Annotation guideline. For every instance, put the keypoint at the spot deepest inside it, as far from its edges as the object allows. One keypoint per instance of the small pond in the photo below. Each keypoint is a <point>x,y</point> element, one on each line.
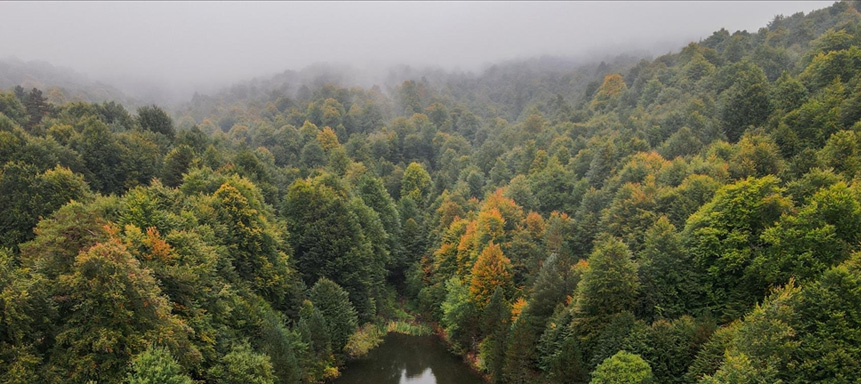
<point>402,359</point>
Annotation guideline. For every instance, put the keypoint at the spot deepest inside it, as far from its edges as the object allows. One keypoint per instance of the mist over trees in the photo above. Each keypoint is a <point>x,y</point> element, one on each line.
<point>692,218</point>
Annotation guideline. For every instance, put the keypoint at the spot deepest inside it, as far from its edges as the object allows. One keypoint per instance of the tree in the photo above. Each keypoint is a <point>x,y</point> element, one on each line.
<point>156,366</point>
<point>374,195</point>
<point>458,313</point>
<point>243,366</point>
<point>327,239</point>
<point>116,311</point>
<point>252,242</point>
<point>609,93</point>
<point>746,102</point>
<point>622,368</point>
<point>416,183</point>
<point>724,240</point>
<point>154,119</point>
<point>104,153</point>
<point>284,347</point>
<point>828,325</point>
<point>495,325</point>
<point>492,271</point>
<point>176,163</point>
<point>738,369</point>
<point>550,288</point>
<point>12,107</point>
<point>315,335</point>
<point>822,234</point>
<point>712,353</point>
<point>668,283</point>
<point>601,165</point>
<point>520,353</point>
<point>37,108</point>
<point>610,284</point>
<point>334,304</point>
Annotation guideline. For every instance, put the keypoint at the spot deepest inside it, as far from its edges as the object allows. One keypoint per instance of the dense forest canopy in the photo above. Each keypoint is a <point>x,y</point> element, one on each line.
<point>695,218</point>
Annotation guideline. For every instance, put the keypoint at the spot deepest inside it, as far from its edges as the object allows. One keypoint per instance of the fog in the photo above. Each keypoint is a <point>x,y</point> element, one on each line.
<point>178,48</point>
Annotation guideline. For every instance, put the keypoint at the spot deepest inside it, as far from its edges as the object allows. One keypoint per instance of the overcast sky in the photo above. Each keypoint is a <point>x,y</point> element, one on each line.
<point>193,43</point>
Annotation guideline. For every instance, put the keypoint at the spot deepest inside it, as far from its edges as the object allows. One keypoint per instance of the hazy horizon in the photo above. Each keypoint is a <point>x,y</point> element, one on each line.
<point>179,48</point>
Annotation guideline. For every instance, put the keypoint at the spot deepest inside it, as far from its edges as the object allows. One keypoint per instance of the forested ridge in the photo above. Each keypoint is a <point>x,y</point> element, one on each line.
<point>695,218</point>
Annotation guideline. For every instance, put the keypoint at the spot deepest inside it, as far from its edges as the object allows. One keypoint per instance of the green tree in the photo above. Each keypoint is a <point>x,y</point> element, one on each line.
<point>668,283</point>
<point>154,119</point>
<point>622,368</point>
<point>27,196</point>
<point>116,311</point>
<point>156,365</point>
<point>495,321</point>
<point>315,335</point>
<point>374,195</point>
<point>327,239</point>
<point>334,304</point>
<point>746,102</point>
<point>822,234</point>
<point>416,183</point>
<point>12,107</point>
<point>459,313</point>
<point>176,163</point>
<point>828,325</point>
<point>610,284</point>
<point>738,369</point>
<point>37,108</point>
<point>252,242</point>
<point>243,366</point>
<point>723,238</point>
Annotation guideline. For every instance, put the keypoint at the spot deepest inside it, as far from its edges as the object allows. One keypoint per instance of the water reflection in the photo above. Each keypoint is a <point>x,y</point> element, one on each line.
<point>405,359</point>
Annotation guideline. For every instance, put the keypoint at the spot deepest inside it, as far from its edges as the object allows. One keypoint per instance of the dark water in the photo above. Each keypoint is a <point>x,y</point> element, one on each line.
<point>409,359</point>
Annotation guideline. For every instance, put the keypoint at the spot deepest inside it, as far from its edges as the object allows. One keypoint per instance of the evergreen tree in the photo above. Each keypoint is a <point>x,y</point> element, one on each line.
<point>495,325</point>
<point>154,119</point>
<point>176,163</point>
<point>37,108</point>
<point>666,274</point>
<point>327,239</point>
<point>334,304</point>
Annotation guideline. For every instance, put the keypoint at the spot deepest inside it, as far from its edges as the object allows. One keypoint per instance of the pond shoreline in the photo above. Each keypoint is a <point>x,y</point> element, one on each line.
<point>374,337</point>
<point>468,358</point>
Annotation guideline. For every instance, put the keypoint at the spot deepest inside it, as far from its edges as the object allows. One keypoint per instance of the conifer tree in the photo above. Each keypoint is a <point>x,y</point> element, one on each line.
<point>334,303</point>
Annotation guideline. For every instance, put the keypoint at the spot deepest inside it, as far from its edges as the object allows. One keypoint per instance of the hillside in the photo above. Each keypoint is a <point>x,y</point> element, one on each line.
<point>59,84</point>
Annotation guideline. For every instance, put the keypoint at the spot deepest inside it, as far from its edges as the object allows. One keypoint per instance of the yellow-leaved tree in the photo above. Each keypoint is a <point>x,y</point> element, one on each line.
<point>491,271</point>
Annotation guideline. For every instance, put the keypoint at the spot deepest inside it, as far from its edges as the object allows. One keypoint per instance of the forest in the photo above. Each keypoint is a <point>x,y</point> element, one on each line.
<point>692,218</point>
